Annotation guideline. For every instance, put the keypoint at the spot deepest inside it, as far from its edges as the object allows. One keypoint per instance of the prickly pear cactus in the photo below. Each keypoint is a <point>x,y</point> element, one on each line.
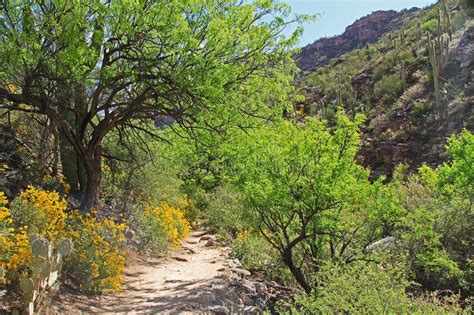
<point>45,269</point>
<point>64,247</point>
<point>27,285</point>
<point>40,246</point>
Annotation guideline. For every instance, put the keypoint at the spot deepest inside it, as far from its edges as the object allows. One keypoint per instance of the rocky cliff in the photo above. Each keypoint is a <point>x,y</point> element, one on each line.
<point>365,30</point>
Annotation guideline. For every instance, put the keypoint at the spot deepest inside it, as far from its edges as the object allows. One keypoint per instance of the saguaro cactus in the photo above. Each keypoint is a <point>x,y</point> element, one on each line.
<point>403,75</point>
<point>438,49</point>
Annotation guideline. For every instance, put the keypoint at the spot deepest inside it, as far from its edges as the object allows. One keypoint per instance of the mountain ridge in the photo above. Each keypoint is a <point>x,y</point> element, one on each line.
<point>365,30</point>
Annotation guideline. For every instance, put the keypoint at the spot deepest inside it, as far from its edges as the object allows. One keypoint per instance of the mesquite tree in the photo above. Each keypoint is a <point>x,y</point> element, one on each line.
<point>92,66</point>
<point>310,198</point>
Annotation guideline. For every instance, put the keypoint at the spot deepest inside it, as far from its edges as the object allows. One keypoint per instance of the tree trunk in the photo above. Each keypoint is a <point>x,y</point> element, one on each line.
<point>297,273</point>
<point>69,163</point>
<point>72,108</point>
<point>69,156</point>
<point>89,192</point>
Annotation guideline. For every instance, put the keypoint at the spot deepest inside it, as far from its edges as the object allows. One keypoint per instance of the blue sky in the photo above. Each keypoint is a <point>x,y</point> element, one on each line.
<point>337,14</point>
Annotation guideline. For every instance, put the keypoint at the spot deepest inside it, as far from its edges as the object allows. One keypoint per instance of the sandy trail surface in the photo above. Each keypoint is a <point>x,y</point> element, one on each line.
<point>176,284</point>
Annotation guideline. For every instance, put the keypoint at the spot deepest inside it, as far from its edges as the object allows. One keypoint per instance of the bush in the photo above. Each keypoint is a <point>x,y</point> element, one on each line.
<point>34,211</point>
<point>429,26</point>
<point>419,111</point>
<point>255,253</point>
<point>97,263</point>
<point>367,289</point>
<point>437,228</point>
<point>40,212</point>
<point>389,88</point>
<point>14,247</point>
<point>162,227</point>
<point>225,210</point>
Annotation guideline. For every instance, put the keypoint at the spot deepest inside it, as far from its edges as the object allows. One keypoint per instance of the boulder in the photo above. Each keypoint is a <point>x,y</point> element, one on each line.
<point>385,243</point>
<point>241,271</point>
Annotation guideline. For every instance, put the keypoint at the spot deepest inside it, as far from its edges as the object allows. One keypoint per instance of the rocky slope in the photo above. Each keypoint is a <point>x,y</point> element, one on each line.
<point>365,30</point>
<point>391,82</point>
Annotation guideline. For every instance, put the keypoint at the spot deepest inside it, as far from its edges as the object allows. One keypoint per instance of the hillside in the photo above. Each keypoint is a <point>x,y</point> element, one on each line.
<point>365,30</point>
<point>391,81</point>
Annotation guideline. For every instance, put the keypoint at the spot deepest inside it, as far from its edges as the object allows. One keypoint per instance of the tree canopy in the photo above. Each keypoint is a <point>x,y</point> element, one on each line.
<point>92,66</point>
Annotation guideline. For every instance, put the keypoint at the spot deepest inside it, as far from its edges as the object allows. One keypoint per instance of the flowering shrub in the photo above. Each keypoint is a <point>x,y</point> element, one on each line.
<point>41,212</point>
<point>160,227</point>
<point>57,183</point>
<point>14,248</point>
<point>97,263</point>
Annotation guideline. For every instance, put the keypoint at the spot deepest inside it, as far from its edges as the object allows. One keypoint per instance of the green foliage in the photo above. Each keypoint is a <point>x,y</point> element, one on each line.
<point>456,177</point>
<point>143,172</point>
<point>362,288</point>
<point>257,254</point>
<point>429,26</point>
<point>309,195</point>
<point>435,224</point>
<point>115,64</point>
<point>389,88</point>
<point>225,210</point>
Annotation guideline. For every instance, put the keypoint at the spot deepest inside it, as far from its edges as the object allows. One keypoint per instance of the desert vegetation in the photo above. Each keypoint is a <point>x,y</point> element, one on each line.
<point>125,124</point>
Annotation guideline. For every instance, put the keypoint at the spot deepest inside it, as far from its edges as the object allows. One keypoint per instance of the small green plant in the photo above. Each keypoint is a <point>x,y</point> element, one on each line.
<point>367,288</point>
<point>389,88</point>
<point>429,26</point>
<point>420,110</point>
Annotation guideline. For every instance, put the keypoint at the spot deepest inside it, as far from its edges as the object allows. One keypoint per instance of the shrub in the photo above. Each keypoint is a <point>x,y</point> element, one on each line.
<point>419,111</point>
<point>429,26</point>
<point>97,263</point>
<point>437,227</point>
<point>389,88</point>
<point>367,289</point>
<point>14,247</point>
<point>255,253</point>
<point>225,210</point>
<point>162,227</point>
<point>41,212</point>
<point>34,211</point>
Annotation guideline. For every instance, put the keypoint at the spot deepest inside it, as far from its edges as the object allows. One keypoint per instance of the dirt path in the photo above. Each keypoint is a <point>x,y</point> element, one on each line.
<point>176,284</point>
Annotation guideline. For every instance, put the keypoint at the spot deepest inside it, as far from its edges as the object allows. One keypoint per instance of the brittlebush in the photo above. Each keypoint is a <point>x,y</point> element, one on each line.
<point>33,211</point>
<point>167,221</point>
<point>41,212</point>
<point>14,248</point>
<point>97,264</point>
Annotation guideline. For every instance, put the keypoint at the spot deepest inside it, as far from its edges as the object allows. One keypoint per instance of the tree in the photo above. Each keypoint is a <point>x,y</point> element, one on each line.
<point>310,197</point>
<point>92,66</point>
